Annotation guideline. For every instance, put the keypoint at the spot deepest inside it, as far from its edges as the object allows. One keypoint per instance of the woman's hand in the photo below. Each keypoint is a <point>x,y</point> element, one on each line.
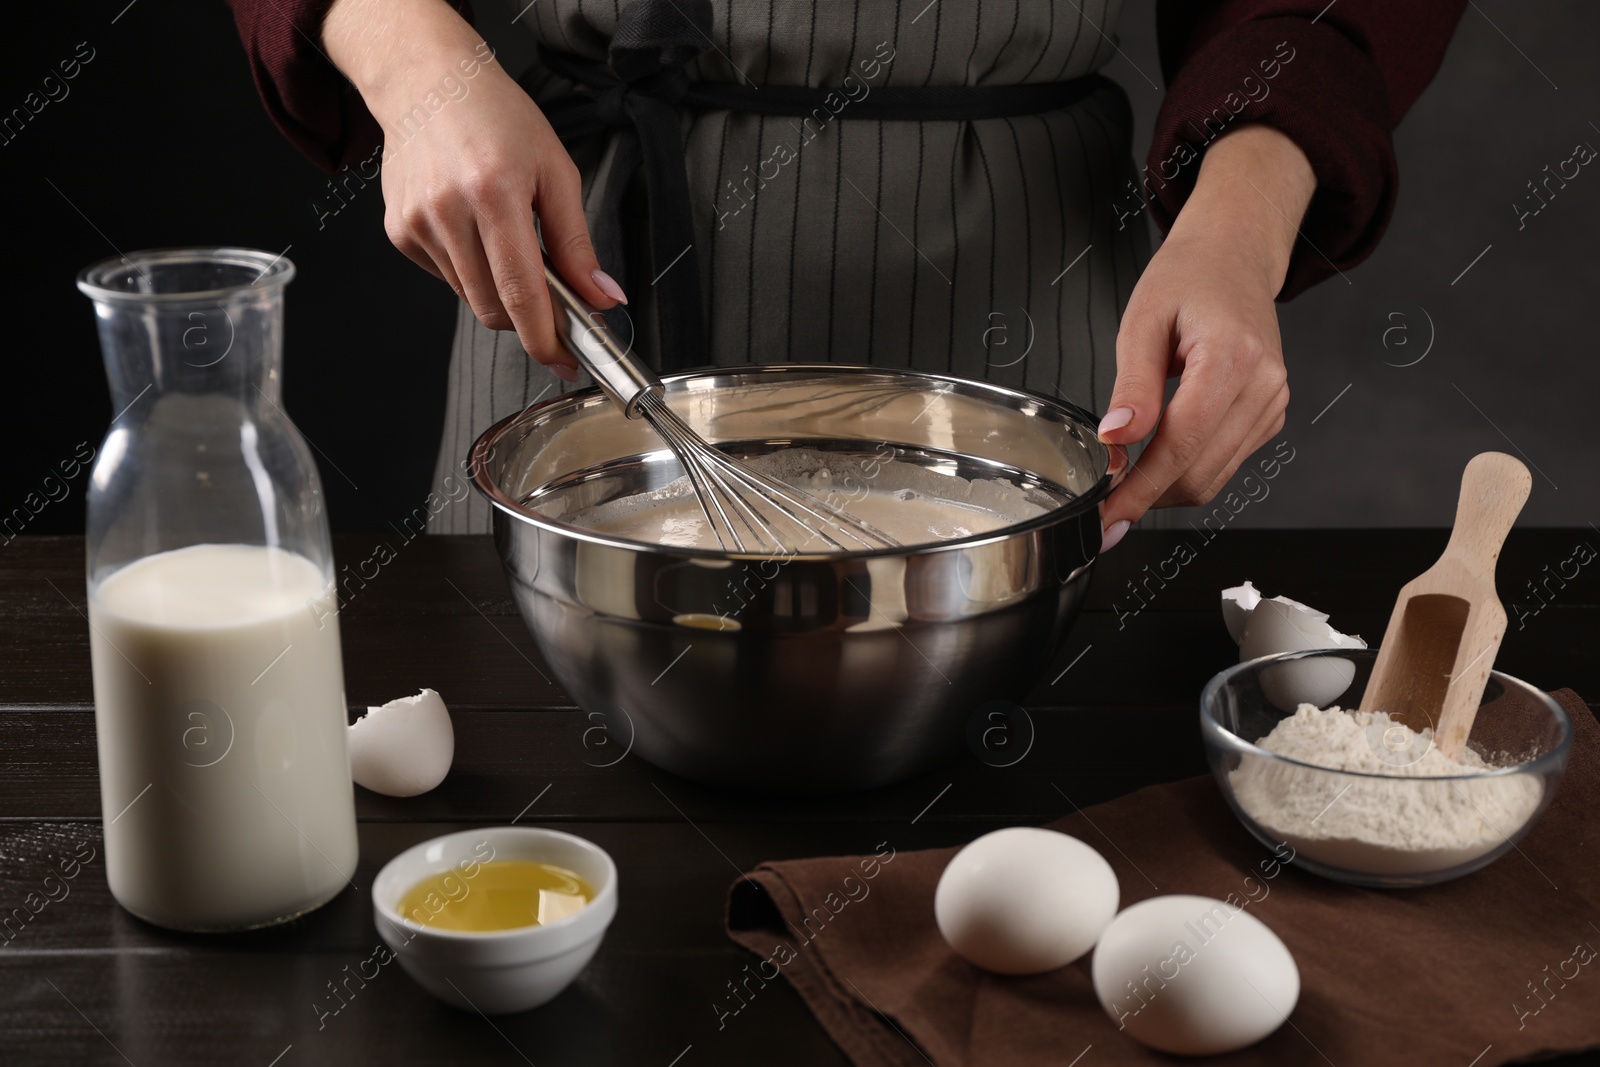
<point>1203,310</point>
<point>468,161</point>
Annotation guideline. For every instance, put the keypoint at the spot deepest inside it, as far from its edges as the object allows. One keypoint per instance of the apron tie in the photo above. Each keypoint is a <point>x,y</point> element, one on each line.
<point>639,90</point>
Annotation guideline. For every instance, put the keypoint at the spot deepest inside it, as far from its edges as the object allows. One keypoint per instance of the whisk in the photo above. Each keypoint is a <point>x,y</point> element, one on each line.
<point>747,510</point>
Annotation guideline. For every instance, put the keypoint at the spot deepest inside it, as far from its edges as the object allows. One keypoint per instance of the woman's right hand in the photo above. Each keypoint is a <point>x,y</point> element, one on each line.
<point>466,154</point>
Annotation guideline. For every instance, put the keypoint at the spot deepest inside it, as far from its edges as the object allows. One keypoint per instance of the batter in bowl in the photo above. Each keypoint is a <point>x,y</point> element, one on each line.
<point>911,504</point>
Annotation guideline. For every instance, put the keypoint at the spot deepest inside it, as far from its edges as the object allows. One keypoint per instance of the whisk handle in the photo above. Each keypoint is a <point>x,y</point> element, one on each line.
<point>609,362</point>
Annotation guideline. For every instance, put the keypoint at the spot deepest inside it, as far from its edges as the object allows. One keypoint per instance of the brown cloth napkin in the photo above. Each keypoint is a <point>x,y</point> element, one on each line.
<point>1468,972</point>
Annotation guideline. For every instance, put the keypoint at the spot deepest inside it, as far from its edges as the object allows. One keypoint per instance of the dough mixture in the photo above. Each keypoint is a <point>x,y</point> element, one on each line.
<point>912,504</point>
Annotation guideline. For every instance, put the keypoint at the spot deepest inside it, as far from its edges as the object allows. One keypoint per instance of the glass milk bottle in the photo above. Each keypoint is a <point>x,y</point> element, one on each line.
<point>214,634</point>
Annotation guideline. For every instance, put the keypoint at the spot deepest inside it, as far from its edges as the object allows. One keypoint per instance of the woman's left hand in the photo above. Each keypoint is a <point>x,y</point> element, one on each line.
<point>1203,311</point>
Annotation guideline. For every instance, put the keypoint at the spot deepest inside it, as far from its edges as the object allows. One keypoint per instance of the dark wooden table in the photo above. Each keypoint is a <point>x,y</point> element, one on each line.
<point>82,982</point>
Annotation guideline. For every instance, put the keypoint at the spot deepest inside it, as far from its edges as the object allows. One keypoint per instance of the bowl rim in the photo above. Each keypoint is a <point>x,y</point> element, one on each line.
<point>604,897</point>
<point>1087,501</point>
<point>1213,730</point>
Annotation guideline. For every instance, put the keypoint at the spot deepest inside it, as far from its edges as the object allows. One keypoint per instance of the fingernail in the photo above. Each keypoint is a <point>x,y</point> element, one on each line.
<point>564,372</point>
<point>608,285</point>
<point>1112,534</point>
<point>1115,419</point>
<point>1119,460</point>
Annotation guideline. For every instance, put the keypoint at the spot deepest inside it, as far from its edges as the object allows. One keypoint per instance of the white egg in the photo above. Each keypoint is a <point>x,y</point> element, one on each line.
<point>1194,976</point>
<point>1284,625</point>
<point>1024,900</point>
<point>404,747</point>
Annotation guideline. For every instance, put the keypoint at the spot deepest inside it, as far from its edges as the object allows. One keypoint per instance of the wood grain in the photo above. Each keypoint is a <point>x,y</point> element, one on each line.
<point>1448,622</point>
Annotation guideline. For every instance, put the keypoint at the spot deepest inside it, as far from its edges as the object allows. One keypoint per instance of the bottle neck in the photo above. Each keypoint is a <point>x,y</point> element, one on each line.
<point>231,347</point>
<point>201,322</point>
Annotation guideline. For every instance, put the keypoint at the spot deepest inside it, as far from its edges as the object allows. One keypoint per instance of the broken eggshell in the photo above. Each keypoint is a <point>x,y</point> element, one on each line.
<point>1267,627</point>
<point>404,747</point>
<point>1237,604</point>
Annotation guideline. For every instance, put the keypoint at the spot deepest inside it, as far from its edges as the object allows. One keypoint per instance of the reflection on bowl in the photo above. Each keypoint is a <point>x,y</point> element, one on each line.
<point>498,971</point>
<point>802,673</point>
<point>1394,828</point>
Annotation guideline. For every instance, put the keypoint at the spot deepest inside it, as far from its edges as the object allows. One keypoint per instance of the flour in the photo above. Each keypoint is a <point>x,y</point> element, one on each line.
<point>1396,824</point>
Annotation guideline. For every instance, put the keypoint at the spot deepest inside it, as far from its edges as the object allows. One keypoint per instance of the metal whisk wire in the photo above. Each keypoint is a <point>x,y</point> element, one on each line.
<point>731,494</point>
<point>729,489</point>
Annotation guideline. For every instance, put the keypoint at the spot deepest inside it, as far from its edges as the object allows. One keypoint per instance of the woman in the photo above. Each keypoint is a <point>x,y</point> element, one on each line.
<point>944,185</point>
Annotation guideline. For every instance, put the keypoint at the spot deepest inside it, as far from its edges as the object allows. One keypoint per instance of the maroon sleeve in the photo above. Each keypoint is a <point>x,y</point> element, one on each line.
<point>1335,77</point>
<point>310,101</point>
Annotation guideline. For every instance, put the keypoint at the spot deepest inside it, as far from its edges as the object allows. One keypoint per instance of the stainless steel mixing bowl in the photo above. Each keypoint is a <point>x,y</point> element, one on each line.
<point>803,673</point>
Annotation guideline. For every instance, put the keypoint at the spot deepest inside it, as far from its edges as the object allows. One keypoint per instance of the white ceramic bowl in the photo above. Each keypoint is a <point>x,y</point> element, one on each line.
<point>499,971</point>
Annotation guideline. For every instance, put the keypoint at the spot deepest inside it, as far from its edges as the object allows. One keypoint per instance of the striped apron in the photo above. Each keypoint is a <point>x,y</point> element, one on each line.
<point>987,248</point>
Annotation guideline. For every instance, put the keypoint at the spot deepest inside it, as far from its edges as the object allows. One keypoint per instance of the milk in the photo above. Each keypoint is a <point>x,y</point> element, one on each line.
<point>220,715</point>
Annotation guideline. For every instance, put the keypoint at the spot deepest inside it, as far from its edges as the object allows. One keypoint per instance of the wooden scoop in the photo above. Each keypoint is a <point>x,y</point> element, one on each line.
<point>1447,623</point>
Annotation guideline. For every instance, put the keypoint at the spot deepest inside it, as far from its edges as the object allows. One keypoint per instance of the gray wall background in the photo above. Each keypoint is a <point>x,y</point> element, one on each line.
<point>1513,362</point>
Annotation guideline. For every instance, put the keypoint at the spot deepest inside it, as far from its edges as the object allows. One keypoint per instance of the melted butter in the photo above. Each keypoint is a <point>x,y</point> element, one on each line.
<point>501,895</point>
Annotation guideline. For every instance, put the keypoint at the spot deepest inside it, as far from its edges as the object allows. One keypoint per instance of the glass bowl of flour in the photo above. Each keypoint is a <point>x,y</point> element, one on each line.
<point>1367,799</point>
